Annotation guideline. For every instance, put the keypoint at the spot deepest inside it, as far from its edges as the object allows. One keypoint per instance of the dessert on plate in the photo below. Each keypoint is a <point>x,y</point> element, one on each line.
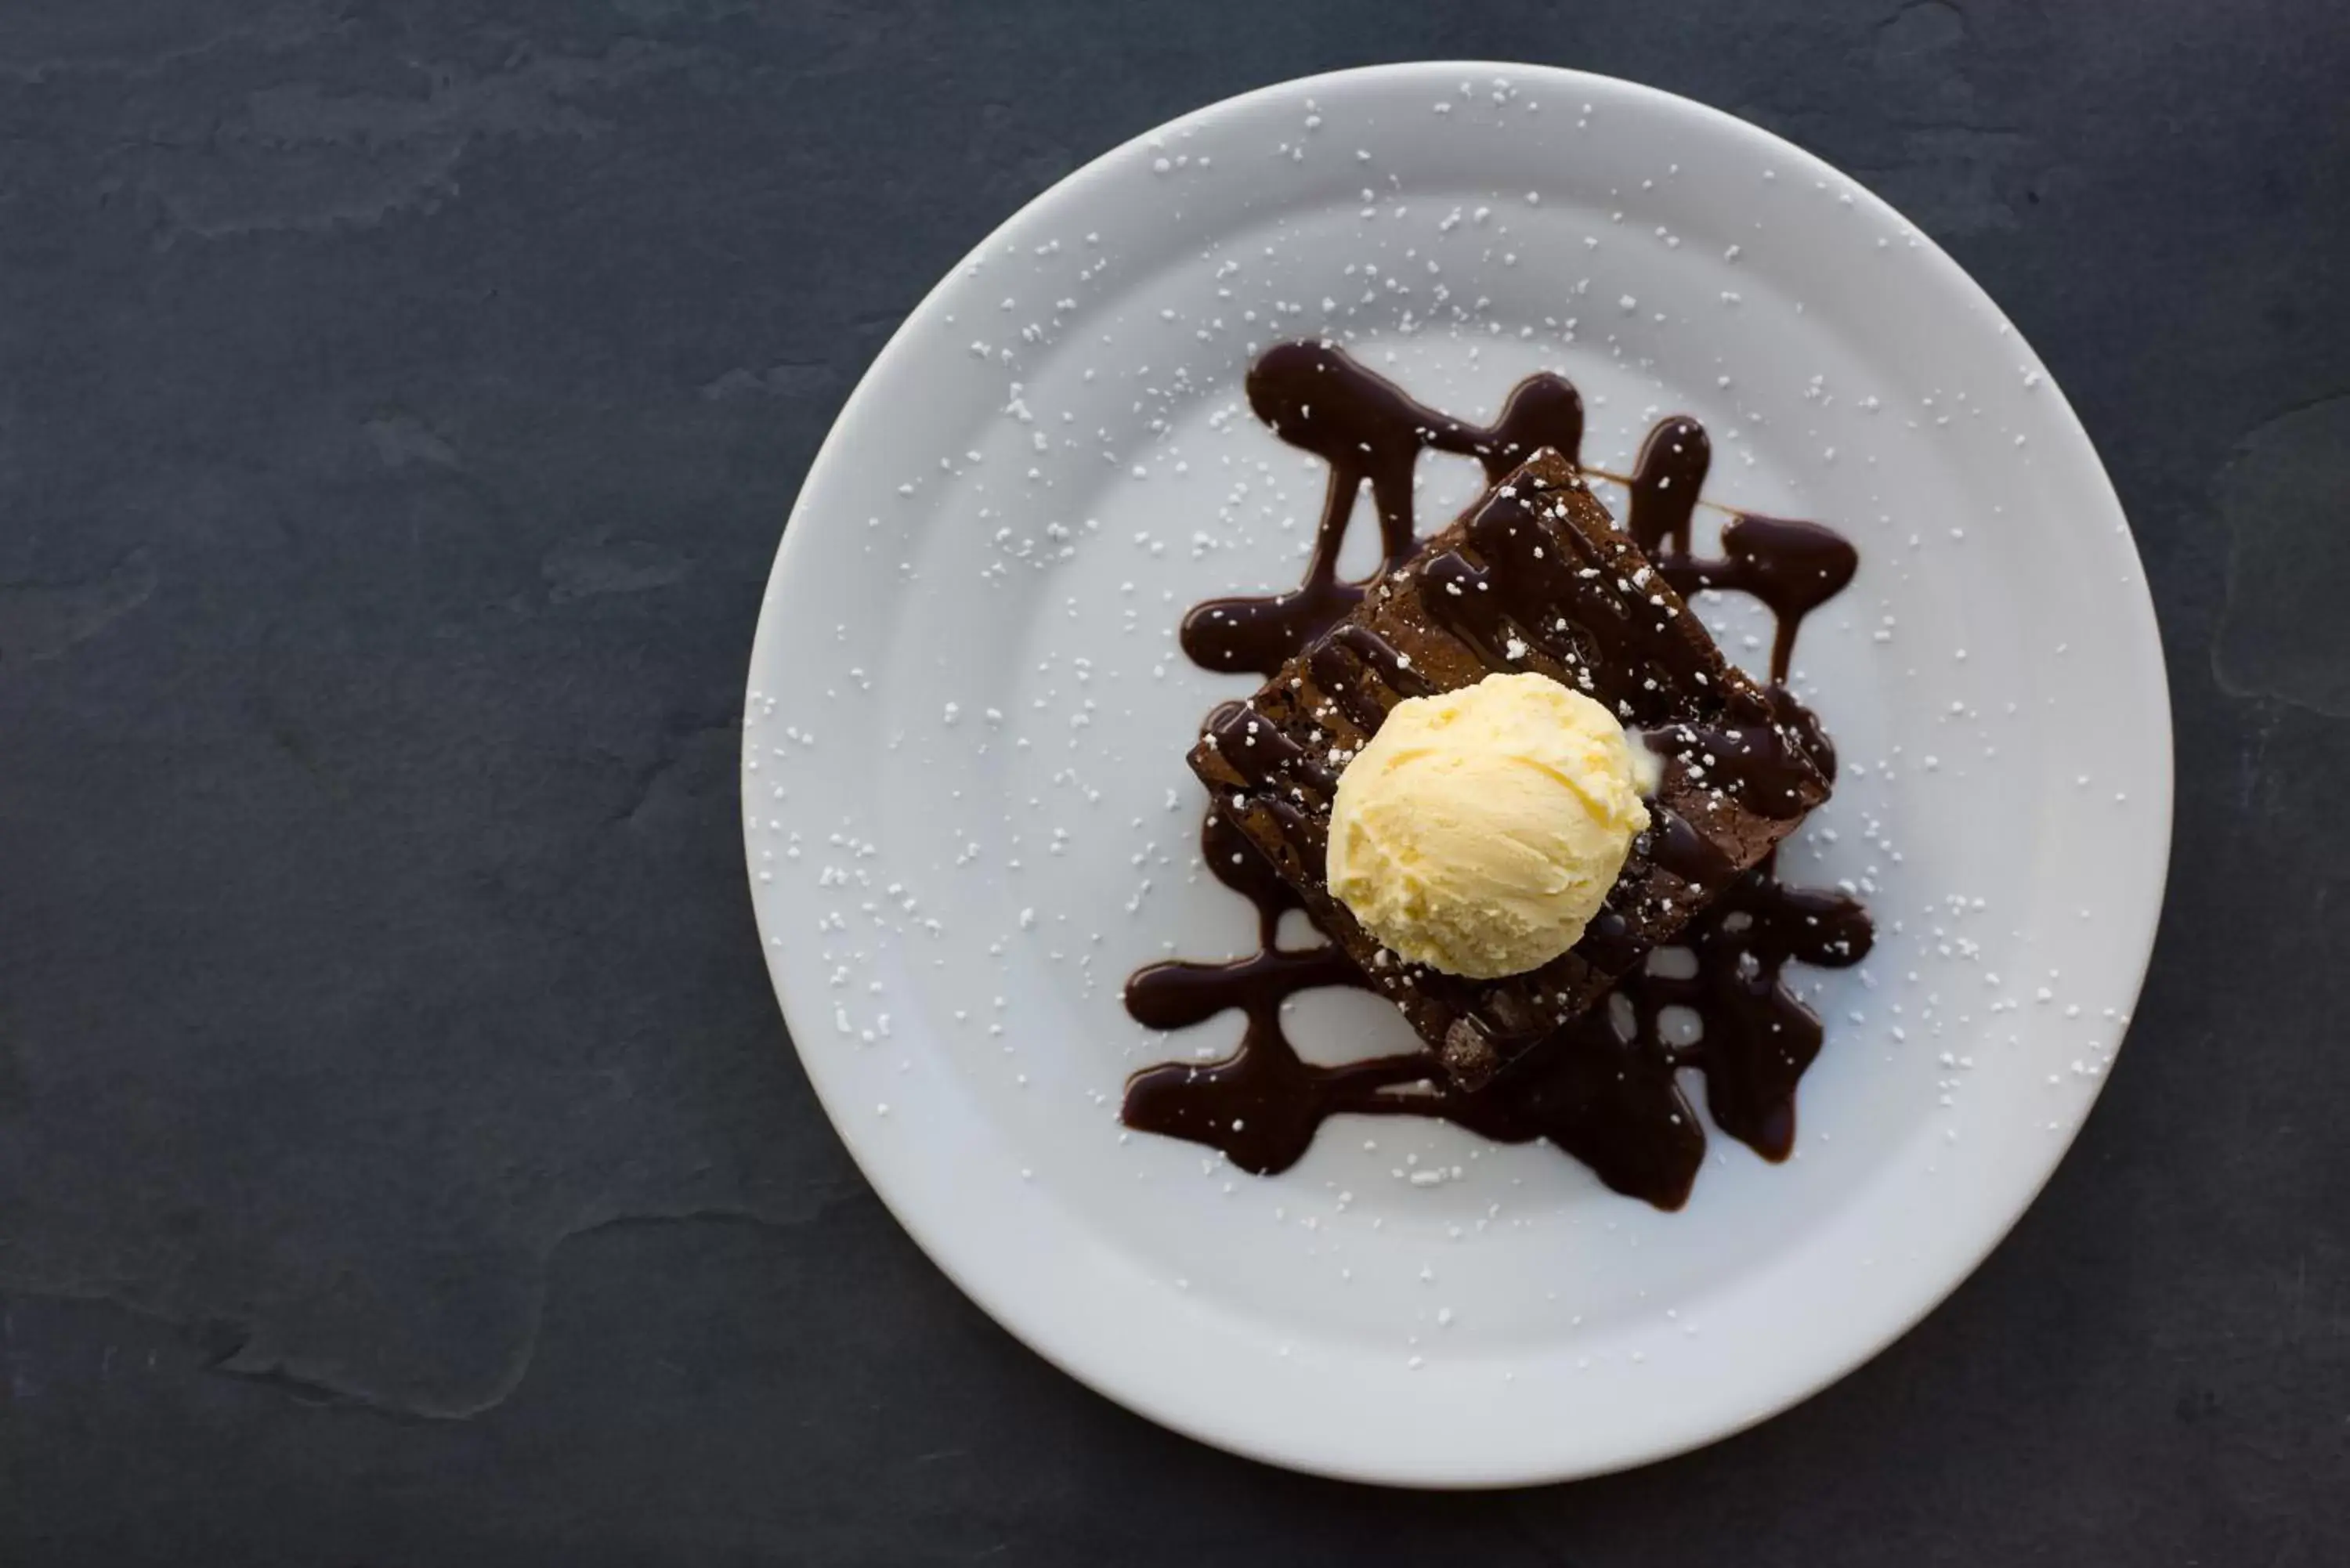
<point>1557,660</point>
<point>1516,785</point>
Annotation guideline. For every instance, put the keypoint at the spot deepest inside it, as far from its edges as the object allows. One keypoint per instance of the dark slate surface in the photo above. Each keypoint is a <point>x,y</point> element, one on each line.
<point>401,1161</point>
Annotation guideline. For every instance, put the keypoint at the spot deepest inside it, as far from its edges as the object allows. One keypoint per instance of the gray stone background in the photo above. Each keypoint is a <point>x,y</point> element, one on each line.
<point>401,1157</point>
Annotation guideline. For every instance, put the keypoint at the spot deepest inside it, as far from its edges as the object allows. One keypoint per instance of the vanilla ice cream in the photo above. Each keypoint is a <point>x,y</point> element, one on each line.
<point>1479,830</point>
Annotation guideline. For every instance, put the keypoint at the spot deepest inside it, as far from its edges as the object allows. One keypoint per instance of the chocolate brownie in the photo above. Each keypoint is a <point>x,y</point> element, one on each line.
<point>1533,577</point>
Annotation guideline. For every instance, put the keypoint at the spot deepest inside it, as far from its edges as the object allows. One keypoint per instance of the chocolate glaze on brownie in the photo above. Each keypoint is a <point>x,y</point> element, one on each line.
<point>1603,1086</point>
<point>1534,577</point>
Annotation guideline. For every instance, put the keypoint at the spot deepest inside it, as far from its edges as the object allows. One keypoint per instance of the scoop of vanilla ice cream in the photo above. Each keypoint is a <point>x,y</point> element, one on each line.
<point>1479,830</point>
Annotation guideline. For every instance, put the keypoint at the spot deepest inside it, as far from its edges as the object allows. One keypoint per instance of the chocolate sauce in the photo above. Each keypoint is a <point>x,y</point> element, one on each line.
<point>1261,1105</point>
<point>1529,572</point>
<point>1606,1095</point>
<point>1793,567</point>
<point>1605,1087</point>
<point>1369,430</point>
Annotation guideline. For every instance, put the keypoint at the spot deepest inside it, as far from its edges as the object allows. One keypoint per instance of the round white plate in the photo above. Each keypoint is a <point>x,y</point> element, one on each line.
<point>968,816</point>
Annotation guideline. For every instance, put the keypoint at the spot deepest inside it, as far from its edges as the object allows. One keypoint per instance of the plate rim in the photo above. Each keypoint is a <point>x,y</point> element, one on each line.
<point>1259,1443</point>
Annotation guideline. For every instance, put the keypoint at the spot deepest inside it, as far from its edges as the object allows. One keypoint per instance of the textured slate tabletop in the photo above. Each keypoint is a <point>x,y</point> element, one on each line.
<point>400,1157</point>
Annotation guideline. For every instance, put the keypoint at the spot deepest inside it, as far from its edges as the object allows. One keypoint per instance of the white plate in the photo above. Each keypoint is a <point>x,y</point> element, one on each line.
<point>968,816</point>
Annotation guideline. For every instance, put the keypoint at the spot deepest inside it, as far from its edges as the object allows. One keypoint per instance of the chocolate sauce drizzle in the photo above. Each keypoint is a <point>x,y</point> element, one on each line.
<point>1793,567</point>
<point>1606,1088</point>
<point>1369,430</point>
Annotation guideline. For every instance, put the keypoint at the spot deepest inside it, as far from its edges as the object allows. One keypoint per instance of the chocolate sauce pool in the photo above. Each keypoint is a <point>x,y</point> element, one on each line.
<point>1605,1089</point>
